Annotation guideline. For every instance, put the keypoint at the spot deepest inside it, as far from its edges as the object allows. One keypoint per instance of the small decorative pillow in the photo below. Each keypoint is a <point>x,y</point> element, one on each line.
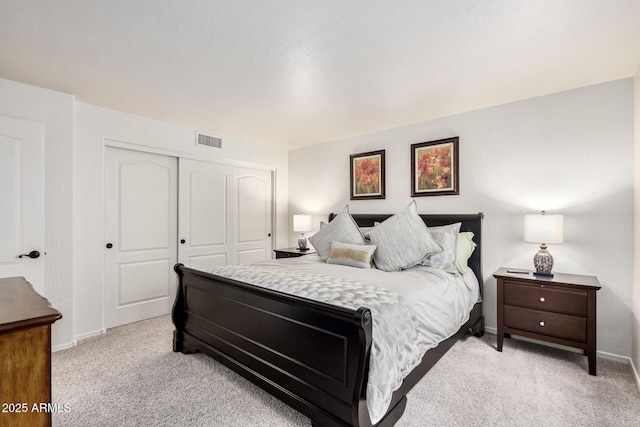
<point>402,240</point>
<point>466,246</point>
<point>352,255</point>
<point>447,237</point>
<point>343,229</point>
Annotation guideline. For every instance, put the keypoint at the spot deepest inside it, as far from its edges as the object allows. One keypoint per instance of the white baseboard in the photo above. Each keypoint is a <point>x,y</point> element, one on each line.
<point>603,354</point>
<point>616,357</point>
<point>635,374</point>
<point>74,343</point>
<point>63,346</point>
<point>90,334</point>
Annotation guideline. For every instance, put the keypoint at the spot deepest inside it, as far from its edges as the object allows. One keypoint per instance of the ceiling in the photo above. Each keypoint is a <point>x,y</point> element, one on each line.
<point>297,72</point>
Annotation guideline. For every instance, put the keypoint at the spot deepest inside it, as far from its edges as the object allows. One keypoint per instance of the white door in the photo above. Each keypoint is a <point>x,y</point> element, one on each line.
<point>253,209</point>
<point>140,235</point>
<point>205,228</point>
<point>22,200</point>
<point>225,214</point>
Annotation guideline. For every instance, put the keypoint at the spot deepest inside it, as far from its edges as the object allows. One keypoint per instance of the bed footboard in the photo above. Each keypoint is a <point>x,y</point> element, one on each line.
<point>312,356</point>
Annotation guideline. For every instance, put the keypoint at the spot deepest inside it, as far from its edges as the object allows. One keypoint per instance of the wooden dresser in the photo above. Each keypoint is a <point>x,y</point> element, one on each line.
<point>559,309</point>
<point>25,354</point>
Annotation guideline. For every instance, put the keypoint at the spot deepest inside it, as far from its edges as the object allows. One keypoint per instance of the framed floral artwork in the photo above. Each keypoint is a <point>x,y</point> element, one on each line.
<point>434,168</point>
<point>367,175</point>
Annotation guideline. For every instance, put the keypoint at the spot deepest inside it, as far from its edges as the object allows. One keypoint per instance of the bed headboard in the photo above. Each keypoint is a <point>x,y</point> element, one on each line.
<point>470,222</point>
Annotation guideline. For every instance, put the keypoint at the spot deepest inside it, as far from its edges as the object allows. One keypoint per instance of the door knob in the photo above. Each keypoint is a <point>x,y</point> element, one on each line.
<point>183,241</point>
<point>109,245</point>
<point>32,255</point>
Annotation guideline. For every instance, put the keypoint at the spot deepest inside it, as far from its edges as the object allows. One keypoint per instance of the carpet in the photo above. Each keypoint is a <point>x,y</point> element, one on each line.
<point>131,377</point>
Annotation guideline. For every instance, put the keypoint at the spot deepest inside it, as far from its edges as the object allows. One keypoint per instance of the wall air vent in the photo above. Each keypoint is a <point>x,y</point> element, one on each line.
<point>208,140</point>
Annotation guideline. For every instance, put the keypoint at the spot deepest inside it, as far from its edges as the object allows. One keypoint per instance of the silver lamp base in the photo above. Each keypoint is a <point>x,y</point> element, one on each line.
<point>543,262</point>
<point>302,242</point>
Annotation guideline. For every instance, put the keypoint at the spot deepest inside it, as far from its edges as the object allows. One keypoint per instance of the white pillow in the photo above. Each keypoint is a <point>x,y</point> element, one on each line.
<point>352,255</point>
<point>365,230</point>
<point>402,240</point>
<point>343,229</point>
<point>465,248</point>
<point>447,237</point>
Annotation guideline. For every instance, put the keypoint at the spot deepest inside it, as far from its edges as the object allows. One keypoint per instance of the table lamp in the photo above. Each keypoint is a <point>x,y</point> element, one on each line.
<point>543,229</point>
<point>302,223</point>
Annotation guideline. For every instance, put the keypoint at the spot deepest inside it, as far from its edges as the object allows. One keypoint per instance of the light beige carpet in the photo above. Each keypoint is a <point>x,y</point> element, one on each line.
<point>131,377</point>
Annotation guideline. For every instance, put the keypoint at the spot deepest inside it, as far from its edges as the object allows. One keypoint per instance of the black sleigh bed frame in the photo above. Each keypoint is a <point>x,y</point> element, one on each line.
<point>312,356</point>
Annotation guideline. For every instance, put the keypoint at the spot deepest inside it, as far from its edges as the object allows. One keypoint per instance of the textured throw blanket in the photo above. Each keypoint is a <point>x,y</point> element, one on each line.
<point>398,342</point>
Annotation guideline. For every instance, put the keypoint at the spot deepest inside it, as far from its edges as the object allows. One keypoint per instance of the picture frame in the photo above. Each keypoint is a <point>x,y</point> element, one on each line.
<point>434,168</point>
<point>367,172</point>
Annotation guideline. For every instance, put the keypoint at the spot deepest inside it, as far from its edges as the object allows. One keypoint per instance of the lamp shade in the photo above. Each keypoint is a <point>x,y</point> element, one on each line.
<point>543,228</point>
<point>302,223</point>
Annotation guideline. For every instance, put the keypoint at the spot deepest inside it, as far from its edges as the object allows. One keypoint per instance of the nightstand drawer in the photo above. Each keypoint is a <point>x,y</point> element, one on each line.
<point>542,322</point>
<point>565,301</point>
<point>280,254</point>
<point>291,253</point>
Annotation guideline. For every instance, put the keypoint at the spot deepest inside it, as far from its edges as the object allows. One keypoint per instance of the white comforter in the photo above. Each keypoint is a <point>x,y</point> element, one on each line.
<point>413,310</point>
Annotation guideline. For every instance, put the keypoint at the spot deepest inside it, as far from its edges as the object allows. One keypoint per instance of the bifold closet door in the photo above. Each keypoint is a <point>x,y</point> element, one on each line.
<point>140,235</point>
<point>225,214</point>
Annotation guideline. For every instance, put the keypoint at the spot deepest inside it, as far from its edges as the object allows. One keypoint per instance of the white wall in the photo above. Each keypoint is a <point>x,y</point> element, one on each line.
<point>74,147</point>
<point>569,153</point>
<point>55,110</point>
<point>94,125</point>
<point>635,341</point>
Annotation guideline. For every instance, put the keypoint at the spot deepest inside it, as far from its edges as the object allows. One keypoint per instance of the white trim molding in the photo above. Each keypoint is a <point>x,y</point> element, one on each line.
<point>636,375</point>
<point>110,142</point>
<point>81,337</point>
<point>603,354</point>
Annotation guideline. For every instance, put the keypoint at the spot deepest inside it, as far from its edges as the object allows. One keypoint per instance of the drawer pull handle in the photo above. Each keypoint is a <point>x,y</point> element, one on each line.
<point>541,299</point>
<point>541,323</point>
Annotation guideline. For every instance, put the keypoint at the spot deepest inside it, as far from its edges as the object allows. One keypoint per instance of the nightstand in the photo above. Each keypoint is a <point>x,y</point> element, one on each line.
<point>292,253</point>
<point>559,309</point>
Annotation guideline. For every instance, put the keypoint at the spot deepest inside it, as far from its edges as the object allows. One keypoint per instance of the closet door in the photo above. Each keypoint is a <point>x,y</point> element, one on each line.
<point>140,235</point>
<point>225,214</point>
<point>205,227</point>
<point>252,215</point>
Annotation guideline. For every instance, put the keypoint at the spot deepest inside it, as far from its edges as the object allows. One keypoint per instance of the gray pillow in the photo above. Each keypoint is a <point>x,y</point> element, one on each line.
<point>447,237</point>
<point>352,255</point>
<point>402,240</point>
<point>342,229</point>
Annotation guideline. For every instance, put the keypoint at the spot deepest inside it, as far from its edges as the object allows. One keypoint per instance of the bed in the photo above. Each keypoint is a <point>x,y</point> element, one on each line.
<point>318,361</point>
